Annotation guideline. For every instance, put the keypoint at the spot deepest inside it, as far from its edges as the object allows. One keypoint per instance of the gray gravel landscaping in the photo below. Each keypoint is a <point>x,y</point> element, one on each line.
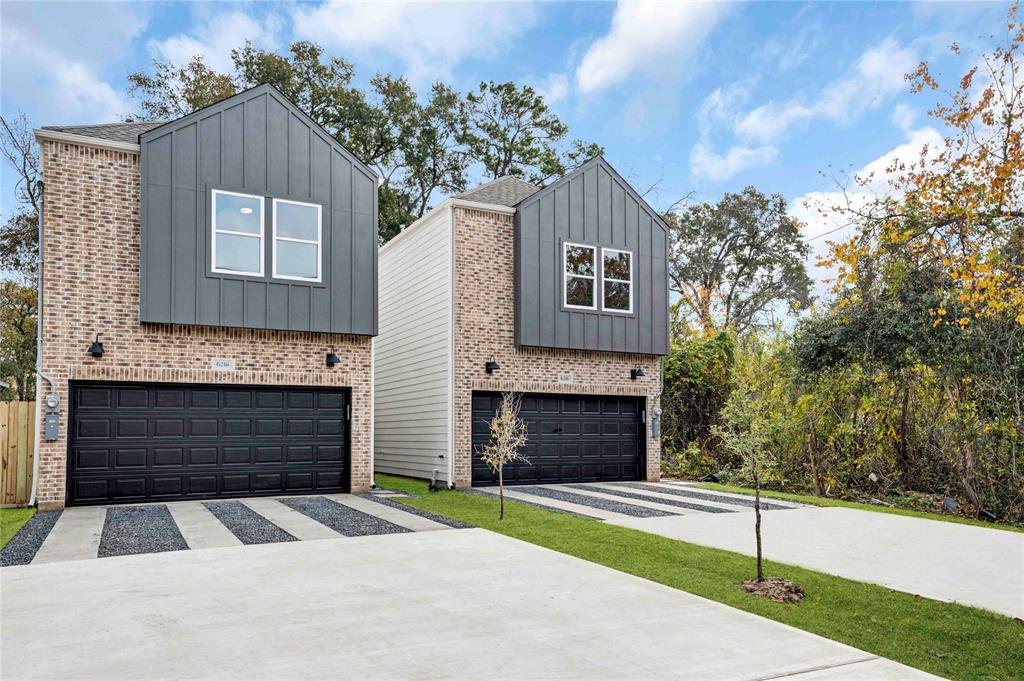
<point>537,504</point>
<point>246,524</point>
<point>706,496</point>
<point>23,546</point>
<point>594,502</point>
<point>414,511</point>
<point>340,518</point>
<point>657,500</point>
<point>129,530</point>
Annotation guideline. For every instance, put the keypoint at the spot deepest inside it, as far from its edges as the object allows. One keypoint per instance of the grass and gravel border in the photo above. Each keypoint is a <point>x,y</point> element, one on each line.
<point>950,640</point>
<point>12,520</point>
<point>877,508</point>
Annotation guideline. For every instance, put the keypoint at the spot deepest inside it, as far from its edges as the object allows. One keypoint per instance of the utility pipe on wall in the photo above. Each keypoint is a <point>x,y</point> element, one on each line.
<point>39,350</point>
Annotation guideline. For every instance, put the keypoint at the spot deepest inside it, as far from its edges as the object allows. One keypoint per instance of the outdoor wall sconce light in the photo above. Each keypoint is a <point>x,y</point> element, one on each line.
<point>491,367</point>
<point>332,358</point>
<point>96,349</point>
<point>636,373</point>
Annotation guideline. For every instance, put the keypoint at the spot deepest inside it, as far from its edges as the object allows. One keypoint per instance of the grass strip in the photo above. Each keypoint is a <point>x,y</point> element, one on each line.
<point>950,640</point>
<point>12,520</point>
<point>826,501</point>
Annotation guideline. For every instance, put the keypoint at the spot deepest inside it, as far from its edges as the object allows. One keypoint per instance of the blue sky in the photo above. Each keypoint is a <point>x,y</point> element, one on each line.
<point>690,97</point>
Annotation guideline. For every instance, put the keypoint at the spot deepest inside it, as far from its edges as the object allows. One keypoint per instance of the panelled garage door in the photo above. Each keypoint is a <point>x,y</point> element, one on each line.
<point>570,438</point>
<point>138,442</point>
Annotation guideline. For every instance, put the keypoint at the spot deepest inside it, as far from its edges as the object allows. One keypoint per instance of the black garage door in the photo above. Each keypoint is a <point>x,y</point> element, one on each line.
<point>135,442</point>
<point>570,438</point>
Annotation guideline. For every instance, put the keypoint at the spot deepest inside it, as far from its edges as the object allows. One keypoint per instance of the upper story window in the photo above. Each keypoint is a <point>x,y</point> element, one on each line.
<point>238,239</point>
<point>237,244</point>
<point>579,276</point>
<point>584,283</point>
<point>617,280</point>
<point>297,239</point>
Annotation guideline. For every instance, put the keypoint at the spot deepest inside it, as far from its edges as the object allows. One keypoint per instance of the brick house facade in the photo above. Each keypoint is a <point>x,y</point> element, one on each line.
<point>91,285</point>
<point>484,313</point>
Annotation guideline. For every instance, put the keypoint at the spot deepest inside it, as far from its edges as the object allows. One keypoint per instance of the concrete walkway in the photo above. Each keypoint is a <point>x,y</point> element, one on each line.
<point>945,561</point>
<point>424,605</point>
<point>967,564</point>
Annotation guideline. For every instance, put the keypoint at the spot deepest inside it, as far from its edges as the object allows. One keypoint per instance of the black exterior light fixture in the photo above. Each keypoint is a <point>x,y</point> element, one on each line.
<point>636,373</point>
<point>491,366</point>
<point>96,349</point>
<point>332,358</point>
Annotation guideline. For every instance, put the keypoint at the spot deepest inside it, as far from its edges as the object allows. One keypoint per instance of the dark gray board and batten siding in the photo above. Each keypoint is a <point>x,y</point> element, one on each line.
<point>592,205</point>
<point>256,142</point>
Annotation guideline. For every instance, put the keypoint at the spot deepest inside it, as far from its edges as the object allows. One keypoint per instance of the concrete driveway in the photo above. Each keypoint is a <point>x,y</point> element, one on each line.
<point>967,564</point>
<point>465,603</point>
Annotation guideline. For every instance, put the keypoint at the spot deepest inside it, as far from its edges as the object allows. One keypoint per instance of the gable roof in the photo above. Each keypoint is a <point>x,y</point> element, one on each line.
<point>504,191</point>
<point>115,132</point>
<point>600,161</point>
<point>252,93</point>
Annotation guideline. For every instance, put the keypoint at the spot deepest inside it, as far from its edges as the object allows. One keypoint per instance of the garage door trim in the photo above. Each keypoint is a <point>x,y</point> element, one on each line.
<point>639,438</point>
<point>284,468</point>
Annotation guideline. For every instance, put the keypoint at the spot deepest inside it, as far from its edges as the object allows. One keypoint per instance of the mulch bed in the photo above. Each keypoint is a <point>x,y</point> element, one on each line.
<point>775,589</point>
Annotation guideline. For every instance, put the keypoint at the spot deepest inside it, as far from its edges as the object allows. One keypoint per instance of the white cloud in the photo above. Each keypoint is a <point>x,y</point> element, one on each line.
<point>214,35</point>
<point>427,39</point>
<point>822,223</point>
<point>647,38</point>
<point>554,88</point>
<point>903,116</point>
<point>54,74</point>
<point>704,162</point>
<point>877,75</point>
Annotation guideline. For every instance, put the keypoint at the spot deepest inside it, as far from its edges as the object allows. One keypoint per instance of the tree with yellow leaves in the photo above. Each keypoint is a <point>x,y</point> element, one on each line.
<point>959,207</point>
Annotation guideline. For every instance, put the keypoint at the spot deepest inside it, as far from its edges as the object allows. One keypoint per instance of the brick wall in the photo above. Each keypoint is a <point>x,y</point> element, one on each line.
<point>484,328</point>
<point>91,219</point>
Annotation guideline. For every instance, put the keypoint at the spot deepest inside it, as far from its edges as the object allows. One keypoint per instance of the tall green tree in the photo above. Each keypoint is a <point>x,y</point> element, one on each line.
<point>19,247</point>
<point>511,131</point>
<point>733,263</point>
<point>17,339</point>
<point>172,91</point>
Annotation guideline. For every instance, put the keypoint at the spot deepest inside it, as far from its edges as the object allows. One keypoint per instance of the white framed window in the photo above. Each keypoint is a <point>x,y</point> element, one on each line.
<point>579,276</point>
<point>297,234</point>
<point>237,233</point>
<point>616,280</point>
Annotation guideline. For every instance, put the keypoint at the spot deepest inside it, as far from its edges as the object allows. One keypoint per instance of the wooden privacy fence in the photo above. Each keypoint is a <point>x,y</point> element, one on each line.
<point>17,423</point>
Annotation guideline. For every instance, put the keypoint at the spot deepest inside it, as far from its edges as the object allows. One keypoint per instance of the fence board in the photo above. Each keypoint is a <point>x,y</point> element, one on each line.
<point>17,420</point>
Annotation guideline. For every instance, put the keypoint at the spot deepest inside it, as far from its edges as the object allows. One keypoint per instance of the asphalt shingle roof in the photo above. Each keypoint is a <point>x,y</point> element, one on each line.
<point>504,191</point>
<point>118,132</point>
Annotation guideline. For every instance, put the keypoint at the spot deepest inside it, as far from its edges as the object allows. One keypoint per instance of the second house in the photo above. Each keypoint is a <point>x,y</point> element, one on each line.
<point>559,294</point>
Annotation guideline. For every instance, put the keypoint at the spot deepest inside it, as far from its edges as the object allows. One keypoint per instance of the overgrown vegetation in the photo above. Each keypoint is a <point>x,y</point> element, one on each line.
<point>953,641</point>
<point>908,383</point>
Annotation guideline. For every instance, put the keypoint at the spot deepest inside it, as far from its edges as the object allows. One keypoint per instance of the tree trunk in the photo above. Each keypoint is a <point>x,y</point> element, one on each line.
<point>501,494</point>
<point>757,518</point>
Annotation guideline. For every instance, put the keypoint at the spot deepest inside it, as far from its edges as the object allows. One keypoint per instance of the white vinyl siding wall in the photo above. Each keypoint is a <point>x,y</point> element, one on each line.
<point>412,353</point>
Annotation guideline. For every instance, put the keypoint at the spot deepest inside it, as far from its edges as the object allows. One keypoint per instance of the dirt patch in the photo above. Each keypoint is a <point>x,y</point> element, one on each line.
<point>775,588</point>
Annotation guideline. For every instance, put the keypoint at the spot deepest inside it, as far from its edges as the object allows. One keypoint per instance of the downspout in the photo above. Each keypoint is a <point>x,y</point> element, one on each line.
<point>39,350</point>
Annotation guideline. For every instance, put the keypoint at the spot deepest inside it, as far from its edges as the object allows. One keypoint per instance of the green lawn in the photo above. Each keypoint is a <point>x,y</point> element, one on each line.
<point>954,641</point>
<point>825,501</point>
<point>11,520</point>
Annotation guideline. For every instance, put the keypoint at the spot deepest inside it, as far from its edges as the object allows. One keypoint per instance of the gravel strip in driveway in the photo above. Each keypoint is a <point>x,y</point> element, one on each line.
<point>342,519</point>
<point>414,511</point>
<point>537,504</point>
<point>128,530</point>
<point>246,524</point>
<point>706,496</point>
<point>23,546</point>
<point>595,502</point>
<point>657,500</point>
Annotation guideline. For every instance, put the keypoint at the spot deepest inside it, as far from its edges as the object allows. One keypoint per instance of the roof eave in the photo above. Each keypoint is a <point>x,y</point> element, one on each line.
<point>44,135</point>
